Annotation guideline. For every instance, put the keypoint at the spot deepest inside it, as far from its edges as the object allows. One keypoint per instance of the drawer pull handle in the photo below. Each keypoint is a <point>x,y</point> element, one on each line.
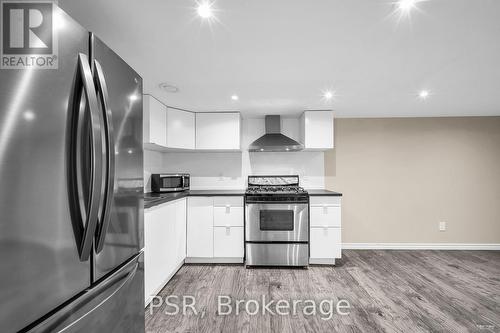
<point>228,209</point>
<point>325,209</point>
<point>228,230</point>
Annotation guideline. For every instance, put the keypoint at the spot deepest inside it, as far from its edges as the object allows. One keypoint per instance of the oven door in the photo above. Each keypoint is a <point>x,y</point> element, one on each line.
<point>277,222</point>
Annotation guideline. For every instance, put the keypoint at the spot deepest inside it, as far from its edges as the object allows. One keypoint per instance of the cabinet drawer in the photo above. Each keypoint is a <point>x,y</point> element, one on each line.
<point>228,201</point>
<point>325,216</point>
<point>228,216</point>
<point>325,243</point>
<point>321,201</point>
<point>228,242</point>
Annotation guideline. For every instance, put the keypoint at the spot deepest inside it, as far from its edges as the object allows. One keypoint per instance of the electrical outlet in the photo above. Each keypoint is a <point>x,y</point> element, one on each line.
<point>442,226</point>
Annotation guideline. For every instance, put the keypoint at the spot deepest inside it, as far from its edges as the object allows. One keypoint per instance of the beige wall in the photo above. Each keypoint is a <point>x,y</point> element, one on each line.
<point>400,176</point>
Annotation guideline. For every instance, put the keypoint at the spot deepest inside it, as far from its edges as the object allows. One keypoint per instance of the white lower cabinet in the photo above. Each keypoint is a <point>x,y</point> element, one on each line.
<point>200,241</point>
<point>326,232</point>
<point>326,244</point>
<point>180,229</point>
<point>196,229</point>
<point>164,244</point>
<point>228,242</point>
<point>215,229</point>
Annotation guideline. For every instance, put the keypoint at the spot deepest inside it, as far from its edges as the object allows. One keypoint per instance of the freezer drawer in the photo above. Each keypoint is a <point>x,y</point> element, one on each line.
<point>115,305</point>
<point>277,254</point>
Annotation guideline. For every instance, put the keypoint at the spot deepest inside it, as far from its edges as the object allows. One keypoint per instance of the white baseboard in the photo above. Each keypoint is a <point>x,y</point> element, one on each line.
<point>217,260</point>
<point>322,261</point>
<point>421,246</point>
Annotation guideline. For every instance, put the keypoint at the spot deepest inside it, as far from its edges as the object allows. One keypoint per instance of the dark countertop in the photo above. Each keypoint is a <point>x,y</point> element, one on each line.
<point>154,199</point>
<point>216,193</point>
<point>324,193</point>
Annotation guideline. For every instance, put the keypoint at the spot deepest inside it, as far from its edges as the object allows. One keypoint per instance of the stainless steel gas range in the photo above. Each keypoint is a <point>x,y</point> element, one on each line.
<point>276,222</point>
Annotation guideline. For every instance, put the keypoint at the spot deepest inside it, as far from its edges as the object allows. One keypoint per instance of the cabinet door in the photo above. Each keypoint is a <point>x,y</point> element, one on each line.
<point>200,227</point>
<point>218,130</point>
<point>155,121</point>
<point>180,129</point>
<point>325,243</point>
<point>317,129</point>
<point>157,249</point>
<point>148,254</point>
<point>180,230</point>
<point>228,242</point>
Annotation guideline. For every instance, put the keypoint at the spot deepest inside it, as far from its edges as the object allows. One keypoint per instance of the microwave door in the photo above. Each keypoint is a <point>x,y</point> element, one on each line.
<point>172,182</point>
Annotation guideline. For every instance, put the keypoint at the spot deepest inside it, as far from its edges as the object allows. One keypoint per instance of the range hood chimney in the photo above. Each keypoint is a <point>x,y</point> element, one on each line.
<point>273,140</point>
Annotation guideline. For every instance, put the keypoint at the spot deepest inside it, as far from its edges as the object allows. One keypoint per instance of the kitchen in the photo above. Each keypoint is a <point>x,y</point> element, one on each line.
<point>249,166</point>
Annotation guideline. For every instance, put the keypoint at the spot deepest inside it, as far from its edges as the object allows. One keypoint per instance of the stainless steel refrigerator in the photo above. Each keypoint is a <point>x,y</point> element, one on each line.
<point>71,191</point>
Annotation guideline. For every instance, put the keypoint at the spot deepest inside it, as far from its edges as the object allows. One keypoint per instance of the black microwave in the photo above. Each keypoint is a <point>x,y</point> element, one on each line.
<point>169,182</point>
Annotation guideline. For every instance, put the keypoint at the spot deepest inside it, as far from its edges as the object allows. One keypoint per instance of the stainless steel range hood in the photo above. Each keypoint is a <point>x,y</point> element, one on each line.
<point>273,140</point>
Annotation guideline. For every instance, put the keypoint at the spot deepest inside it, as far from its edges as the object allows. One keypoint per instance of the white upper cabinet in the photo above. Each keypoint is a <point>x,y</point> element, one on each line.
<point>167,128</point>
<point>180,129</point>
<point>154,121</point>
<point>218,131</point>
<point>316,129</point>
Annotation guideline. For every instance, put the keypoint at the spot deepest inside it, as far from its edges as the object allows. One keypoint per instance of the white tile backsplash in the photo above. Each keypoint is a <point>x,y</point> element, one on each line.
<point>153,163</point>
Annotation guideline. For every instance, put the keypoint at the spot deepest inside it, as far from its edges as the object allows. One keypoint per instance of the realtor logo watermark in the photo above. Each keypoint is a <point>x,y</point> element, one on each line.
<point>326,309</point>
<point>29,37</point>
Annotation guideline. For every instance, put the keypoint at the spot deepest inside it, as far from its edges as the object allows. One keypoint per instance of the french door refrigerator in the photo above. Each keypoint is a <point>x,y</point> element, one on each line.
<point>71,194</point>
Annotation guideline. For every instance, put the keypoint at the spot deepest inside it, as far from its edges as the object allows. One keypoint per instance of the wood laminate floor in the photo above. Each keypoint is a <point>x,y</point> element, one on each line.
<point>388,291</point>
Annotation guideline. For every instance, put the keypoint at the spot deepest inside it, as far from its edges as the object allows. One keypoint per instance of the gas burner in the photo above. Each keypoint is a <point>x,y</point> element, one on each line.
<point>275,188</point>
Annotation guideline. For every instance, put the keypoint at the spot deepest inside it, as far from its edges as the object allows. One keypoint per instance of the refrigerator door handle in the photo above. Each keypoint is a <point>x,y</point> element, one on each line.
<point>85,220</point>
<point>107,198</point>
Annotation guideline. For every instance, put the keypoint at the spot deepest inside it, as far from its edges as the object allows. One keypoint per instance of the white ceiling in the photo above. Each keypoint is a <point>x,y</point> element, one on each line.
<point>279,55</point>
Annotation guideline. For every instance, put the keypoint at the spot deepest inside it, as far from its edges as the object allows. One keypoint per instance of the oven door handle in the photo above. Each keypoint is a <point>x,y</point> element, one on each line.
<point>252,202</point>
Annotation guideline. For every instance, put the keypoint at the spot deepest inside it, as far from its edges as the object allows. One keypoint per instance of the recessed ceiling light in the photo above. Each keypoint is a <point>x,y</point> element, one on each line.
<point>423,94</point>
<point>328,95</point>
<point>133,97</point>
<point>28,115</point>
<point>406,5</point>
<point>235,97</point>
<point>168,87</point>
<point>403,8</point>
<point>205,9</point>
